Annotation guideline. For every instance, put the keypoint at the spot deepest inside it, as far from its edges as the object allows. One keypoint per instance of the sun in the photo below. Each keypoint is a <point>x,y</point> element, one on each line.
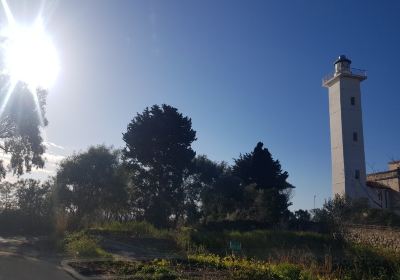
<point>29,55</point>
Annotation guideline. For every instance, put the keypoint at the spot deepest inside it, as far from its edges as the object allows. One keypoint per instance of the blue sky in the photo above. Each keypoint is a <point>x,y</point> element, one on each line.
<point>244,71</point>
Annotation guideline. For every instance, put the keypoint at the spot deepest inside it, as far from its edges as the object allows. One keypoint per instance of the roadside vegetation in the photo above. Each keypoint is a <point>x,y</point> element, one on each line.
<point>265,254</point>
<point>156,195</point>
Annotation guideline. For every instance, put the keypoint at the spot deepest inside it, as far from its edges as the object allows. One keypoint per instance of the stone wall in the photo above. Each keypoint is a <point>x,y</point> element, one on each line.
<point>377,236</point>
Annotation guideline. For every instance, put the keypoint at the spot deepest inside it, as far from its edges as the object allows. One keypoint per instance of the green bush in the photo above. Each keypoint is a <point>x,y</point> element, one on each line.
<point>81,245</point>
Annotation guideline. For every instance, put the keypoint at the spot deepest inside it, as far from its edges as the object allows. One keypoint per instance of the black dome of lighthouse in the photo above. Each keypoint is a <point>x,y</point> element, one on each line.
<point>342,58</point>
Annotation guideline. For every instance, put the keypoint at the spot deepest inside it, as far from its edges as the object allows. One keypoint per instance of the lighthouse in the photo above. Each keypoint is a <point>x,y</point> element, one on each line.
<point>346,129</point>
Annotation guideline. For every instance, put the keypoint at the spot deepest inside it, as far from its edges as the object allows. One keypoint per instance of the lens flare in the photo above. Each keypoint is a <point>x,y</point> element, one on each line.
<point>29,55</point>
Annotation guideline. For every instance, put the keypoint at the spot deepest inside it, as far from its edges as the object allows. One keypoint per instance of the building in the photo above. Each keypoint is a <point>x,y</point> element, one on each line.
<point>387,185</point>
<point>349,176</point>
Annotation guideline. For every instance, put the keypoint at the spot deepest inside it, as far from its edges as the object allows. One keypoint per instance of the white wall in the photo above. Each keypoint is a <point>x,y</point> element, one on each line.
<point>347,155</point>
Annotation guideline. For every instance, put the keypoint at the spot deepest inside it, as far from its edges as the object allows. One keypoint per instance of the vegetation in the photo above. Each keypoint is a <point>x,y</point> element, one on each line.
<point>357,263</point>
<point>20,133</point>
<point>159,155</point>
<point>157,192</point>
<point>158,178</point>
<point>26,207</point>
<point>81,245</point>
<point>265,254</point>
<point>339,211</point>
<point>91,184</point>
<point>134,229</point>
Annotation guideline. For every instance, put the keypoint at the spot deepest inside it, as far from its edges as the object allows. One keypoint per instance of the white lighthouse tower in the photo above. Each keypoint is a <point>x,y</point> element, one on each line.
<point>347,141</point>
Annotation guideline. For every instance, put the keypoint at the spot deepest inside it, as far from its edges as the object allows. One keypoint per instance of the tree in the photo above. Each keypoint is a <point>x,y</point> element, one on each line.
<point>264,185</point>
<point>223,199</point>
<point>303,216</point>
<point>201,190</point>
<point>159,155</point>
<point>7,199</point>
<point>22,115</point>
<point>33,198</point>
<point>27,207</point>
<point>90,183</point>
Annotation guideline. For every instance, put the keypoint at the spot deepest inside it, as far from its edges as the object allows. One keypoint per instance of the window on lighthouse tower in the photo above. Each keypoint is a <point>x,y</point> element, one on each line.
<point>355,136</point>
<point>357,174</point>
<point>353,101</point>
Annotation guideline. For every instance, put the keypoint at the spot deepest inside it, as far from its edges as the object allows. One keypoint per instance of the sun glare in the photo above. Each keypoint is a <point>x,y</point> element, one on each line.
<point>29,55</point>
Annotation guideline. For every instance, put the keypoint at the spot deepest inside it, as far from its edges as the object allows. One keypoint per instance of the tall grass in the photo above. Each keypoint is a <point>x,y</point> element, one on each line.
<point>301,255</point>
<point>135,229</point>
<point>264,244</point>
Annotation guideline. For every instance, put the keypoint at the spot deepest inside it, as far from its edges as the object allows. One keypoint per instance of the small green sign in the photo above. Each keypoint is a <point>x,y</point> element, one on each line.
<point>235,246</point>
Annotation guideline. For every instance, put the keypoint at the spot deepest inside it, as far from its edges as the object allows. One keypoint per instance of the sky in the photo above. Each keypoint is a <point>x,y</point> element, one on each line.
<point>243,71</point>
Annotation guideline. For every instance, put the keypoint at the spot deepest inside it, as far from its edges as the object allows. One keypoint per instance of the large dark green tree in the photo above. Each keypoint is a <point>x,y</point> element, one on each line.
<point>265,187</point>
<point>159,155</point>
<point>90,184</point>
<point>22,115</point>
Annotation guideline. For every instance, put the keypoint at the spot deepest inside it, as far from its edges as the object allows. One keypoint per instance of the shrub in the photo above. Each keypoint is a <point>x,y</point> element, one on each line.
<point>80,245</point>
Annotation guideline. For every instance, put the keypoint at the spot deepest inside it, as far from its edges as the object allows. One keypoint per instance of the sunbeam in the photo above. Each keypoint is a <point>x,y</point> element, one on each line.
<point>9,16</point>
<point>29,56</point>
<point>10,90</point>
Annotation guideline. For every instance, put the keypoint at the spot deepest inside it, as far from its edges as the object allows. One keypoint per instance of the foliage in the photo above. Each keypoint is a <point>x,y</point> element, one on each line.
<point>7,198</point>
<point>340,210</point>
<point>264,185</point>
<point>301,220</point>
<point>159,154</point>
<point>144,270</point>
<point>302,256</point>
<point>134,229</point>
<point>91,184</point>
<point>340,260</point>
<point>266,243</point>
<point>254,188</point>
<point>249,269</point>
<point>34,198</point>
<point>196,186</point>
<point>81,245</point>
<point>26,206</point>
<point>22,117</point>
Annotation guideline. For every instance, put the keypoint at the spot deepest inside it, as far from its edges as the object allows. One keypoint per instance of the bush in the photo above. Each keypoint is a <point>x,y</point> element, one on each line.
<point>81,245</point>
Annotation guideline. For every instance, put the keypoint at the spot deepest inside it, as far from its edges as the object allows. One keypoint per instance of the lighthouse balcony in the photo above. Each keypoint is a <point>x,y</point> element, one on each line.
<point>350,72</point>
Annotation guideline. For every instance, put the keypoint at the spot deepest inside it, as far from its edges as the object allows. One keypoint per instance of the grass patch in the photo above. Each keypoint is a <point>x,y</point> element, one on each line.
<point>267,244</point>
<point>133,229</point>
<point>265,254</point>
<point>195,267</point>
<point>136,270</point>
<point>81,245</point>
